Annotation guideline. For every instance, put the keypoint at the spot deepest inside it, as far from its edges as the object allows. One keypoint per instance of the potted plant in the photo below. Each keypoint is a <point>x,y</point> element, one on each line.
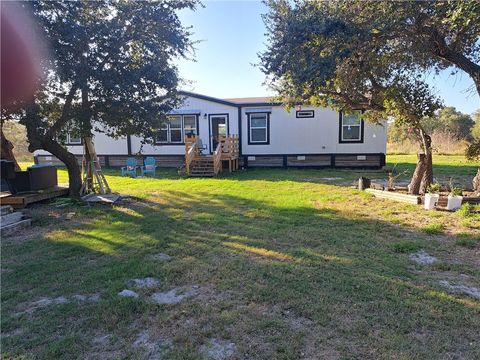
<point>454,198</point>
<point>432,196</point>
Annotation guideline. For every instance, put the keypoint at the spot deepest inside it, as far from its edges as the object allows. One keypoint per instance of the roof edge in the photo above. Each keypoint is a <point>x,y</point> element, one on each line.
<point>208,98</point>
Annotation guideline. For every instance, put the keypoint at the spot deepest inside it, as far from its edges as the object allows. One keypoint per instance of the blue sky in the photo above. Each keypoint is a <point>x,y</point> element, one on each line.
<point>231,33</point>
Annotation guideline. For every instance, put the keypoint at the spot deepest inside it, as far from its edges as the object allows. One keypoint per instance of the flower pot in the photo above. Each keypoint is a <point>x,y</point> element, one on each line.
<point>454,202</point>
<point>431,200</point>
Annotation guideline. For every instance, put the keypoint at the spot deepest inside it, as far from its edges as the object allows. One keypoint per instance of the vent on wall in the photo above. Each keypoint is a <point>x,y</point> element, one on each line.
<point>305,114</point>
<point>300,157</point>
<point>361,157</point>
<point>251,158</point>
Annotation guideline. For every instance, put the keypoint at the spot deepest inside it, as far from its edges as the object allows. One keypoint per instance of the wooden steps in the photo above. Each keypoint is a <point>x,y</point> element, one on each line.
<point>202,166</point>
<point>11,222</point>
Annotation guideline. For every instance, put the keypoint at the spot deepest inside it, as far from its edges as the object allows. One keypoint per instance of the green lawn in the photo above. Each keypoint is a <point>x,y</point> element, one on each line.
<point>280,264</point>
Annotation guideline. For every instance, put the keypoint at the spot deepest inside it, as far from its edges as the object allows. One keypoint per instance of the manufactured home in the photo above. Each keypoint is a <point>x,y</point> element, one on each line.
<point>268,136</point>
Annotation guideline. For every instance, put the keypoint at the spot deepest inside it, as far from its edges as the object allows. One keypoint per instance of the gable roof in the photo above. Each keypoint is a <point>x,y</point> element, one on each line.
<point>253,100</point>
<point>237,102</point>
<point>205,97</point>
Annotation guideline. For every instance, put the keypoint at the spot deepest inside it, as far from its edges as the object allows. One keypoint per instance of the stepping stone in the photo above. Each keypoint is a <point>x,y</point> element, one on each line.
<point>128,293</point>
<point>421,257</point>
<point>161,257</point>
<point>146,283</point>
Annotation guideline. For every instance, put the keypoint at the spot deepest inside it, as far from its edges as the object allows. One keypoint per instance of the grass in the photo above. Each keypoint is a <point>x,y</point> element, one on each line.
<point>433,228</point>
<point>289,264</point>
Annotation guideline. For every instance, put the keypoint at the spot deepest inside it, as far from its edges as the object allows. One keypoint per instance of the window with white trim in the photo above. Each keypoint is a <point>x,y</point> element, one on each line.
<point>174,130</point>
<point>351,127</point>
<point>258,128</point>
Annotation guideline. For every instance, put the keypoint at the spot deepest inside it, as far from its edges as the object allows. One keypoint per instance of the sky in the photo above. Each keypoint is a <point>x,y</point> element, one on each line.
<point>230,34</point>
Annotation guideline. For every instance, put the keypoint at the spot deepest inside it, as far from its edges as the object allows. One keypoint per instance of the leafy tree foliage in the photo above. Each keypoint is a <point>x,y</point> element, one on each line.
<point>476,126</point>
<point>335,54</point>
<point>110,69</point>
<point>446,120</point>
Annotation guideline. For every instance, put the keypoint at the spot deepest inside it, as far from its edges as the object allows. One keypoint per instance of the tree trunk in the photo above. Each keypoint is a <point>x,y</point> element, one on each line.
<point>423,175</point>
<point>427,177</point>
<point>476,183</point>
<point>416,181</point>
<point>7,151</point>
<point>74,173</point>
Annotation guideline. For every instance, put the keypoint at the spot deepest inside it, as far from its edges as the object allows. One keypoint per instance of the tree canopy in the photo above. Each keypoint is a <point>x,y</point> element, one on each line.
<point>370,55</point>
<point>111,69</point>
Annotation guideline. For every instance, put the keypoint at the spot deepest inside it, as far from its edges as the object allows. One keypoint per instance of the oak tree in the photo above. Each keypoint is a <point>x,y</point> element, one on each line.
<point>111,69</point>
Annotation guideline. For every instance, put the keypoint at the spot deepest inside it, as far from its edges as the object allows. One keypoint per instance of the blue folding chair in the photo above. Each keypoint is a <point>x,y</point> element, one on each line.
<point>131,168</point>
<point>149,166</point>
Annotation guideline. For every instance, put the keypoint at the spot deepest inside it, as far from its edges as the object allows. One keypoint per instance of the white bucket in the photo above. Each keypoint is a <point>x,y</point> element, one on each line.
<point>454,202</point>
<point>431,200</point>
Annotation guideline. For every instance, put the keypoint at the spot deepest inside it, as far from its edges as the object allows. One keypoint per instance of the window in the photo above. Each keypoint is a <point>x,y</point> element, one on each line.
<point>176,128</point>
<point>305,114</point>
<point>73,139</point>
<point>351,128</point>
<point>73,136</point>
<point>258,128</point>
<point>190,125</point>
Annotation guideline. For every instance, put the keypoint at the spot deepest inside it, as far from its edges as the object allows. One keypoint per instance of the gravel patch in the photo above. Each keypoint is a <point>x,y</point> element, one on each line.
<point>146,283</point>
<point>128,293</point>
<point>218,349</point>
<point>421,257</point>
<point>174,296</point>
<point>461,289</point>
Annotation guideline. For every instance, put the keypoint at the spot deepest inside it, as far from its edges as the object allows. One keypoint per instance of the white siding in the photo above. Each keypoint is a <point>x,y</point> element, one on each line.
<point>206,108</point>
<point>104,145</point>
<point>317,135</point>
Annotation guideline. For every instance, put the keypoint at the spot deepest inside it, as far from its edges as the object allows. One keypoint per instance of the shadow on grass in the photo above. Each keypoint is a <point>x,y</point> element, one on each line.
<point>316,262</point>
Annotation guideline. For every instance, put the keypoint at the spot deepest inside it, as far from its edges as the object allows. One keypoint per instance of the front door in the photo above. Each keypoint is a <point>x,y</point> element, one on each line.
<point>218,127</point>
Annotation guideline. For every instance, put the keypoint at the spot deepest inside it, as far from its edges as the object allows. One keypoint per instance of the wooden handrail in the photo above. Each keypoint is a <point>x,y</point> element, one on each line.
<point>217,159</point>
<point>190,155</point>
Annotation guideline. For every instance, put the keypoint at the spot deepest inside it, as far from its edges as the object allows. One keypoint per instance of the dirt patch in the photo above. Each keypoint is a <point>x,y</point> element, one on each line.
<point>49,301</point>
<point>161,257</point>
<point>422,258</point>
<point>461,289</point>
<point>174,296</point>
<point>145,283</point>
<point>218,349</point>
<point>154,348</point>
<point>128,293</point>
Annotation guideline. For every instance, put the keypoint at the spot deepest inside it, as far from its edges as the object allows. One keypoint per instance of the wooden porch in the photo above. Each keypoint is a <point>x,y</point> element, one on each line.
<point>202,165</point>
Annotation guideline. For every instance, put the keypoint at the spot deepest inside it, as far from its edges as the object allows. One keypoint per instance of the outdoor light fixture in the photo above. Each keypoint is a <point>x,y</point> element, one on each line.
<point>205,115</point>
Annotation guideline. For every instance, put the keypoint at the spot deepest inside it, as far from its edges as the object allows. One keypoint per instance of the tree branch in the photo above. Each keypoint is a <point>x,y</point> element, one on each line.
<point>65,113</point>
